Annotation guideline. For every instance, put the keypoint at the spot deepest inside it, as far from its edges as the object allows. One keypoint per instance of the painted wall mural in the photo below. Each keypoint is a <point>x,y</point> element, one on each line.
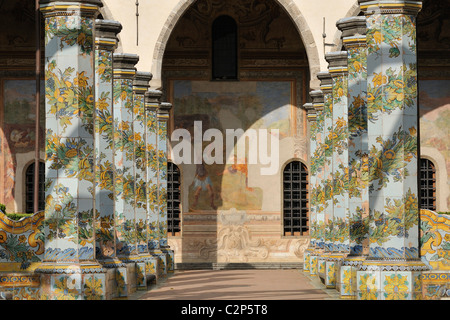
<point>19,115</point>
<point>434,101</point>
<point>244,105</point>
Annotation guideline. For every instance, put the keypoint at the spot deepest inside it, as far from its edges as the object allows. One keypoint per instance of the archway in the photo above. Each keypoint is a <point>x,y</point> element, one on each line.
<point>231,212</point>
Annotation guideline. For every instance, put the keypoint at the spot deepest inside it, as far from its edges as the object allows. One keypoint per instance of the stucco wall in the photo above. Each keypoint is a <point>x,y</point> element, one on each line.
<point>157,18</point>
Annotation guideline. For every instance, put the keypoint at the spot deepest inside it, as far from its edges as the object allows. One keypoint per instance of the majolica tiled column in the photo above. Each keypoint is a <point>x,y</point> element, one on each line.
<point>325,213</point>
<point>311,116</point>
<point>317,168</point>
<point>105,44</point>
<point>152,101</point>
<point>354,39</point>
<point>140,87</point>
<point>124,72</point>
<point>393,267</point>
<point>163,127</point>
<point>69,269</point>
<point>338,225</point>
<point>124,218</point>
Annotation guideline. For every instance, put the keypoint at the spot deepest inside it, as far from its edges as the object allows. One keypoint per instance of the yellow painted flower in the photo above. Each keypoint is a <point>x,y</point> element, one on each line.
<point>379,79</point>
<point>412,131</point>
<point>357,65</point>
<point>123,95</point>
<point>59,95</point>
<point>65,289</point>
<point>378,37</point>
<point>90,98</point>
<point>396,287</point>
<point>340,92</point>
<point>368,287</point>
<point>93,289</point>
<point>80,80</point>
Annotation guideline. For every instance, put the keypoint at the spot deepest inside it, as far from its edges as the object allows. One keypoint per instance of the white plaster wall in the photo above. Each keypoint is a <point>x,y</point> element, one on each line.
<point>156,16</point>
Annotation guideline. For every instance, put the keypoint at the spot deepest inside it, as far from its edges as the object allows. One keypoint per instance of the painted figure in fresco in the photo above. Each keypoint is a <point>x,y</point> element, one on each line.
<point>238,167</point>
<point>202,182</point>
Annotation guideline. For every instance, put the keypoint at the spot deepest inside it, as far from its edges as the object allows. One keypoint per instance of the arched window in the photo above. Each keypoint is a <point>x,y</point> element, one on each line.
<point>173,199</point>
<point>295,199</point>
<point>29,188</point>
<point>427,185</point>
<point>224,48</point>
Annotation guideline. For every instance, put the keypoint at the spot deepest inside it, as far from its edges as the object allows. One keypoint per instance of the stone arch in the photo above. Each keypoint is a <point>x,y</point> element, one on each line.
<point>288,5</point>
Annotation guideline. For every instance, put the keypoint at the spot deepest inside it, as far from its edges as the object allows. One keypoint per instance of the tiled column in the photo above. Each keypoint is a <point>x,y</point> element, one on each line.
<point>338,226</point>
<point>125,222</point>
<point>105,44</point>
<point>354,39</point>
<point>311,116</point>
<point>69,270</point>
<point>163,127</point>
<point>325,214</point>
<point>392,270</point>
<point>140,86</point>
<point>152,101</point>
<point>317,161</point>
<point>124,73</point>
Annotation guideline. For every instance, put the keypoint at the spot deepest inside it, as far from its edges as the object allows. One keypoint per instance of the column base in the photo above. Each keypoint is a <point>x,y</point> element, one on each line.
<point>347,276</point>
<point>72,281</point>
<point>170,262</point>
<point>390,280</point>
<point>332,264</point>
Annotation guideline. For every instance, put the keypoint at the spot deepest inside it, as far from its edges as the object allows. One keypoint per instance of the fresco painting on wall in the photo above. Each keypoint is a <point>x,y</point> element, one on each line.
<point>231,105</point>
<point>19,114</point>
<point>435,117</point>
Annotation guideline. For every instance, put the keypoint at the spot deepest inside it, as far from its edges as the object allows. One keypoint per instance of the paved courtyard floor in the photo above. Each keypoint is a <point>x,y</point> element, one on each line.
<point>254,284</point>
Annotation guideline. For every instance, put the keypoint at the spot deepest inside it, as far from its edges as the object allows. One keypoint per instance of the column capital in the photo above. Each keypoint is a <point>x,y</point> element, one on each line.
<point>164,111</point>
<point>70,7</point>
<point>124,65</point>
<point>352,26</point>
<point>318,99</point>
<point>370,7</point>
<point>310,111</point>
<point>106,32</point>
<point>141,82</point>
<point>337,62</point>
<point>152,98</point>
<point>326,82</point>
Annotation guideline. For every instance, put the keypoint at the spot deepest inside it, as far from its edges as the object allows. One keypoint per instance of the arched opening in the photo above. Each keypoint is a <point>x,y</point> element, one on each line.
<point>258,50</point>
<point>295,199</point>
<point>173,199</point>
<point>427,185</point>
<point>22,130</point>
<point>224,49</point>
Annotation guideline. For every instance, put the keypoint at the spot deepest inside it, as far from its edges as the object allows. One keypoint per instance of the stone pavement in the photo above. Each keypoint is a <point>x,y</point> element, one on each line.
<point>254,284</point>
